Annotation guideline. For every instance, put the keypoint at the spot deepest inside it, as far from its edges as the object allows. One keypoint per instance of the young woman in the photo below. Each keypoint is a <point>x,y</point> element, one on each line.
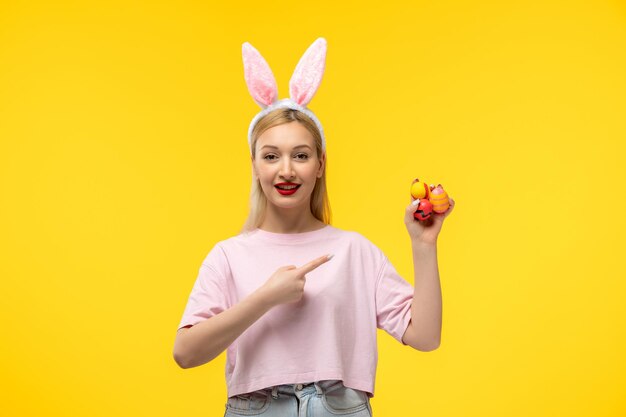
<point>295,301</point>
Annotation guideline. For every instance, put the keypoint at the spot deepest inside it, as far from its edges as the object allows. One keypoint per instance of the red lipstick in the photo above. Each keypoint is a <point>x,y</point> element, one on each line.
<point>289,190</point>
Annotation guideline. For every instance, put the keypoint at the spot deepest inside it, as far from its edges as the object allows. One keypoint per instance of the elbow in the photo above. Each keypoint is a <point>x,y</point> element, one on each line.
<point>416,341</point>
<point>181,356</point>
<point>429,347</point>
<point>185,361</point>
<point>180,360</point>
<point>180,352</point>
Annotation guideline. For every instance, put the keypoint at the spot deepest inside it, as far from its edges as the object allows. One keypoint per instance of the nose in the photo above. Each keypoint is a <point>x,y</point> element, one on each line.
<point>286,169</point>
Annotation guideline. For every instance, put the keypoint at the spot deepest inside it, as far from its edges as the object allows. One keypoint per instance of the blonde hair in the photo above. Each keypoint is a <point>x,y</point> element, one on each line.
<point>320,206</point>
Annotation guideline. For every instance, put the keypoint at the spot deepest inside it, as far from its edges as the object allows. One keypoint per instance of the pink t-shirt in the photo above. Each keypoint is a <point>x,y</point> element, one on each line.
<point>330,333</point>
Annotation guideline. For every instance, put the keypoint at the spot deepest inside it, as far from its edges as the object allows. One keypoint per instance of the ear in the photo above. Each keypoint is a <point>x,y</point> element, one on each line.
<point>259,77</point>
<point>307,76</point>
<point>320,171</point>
<point>254,173</point>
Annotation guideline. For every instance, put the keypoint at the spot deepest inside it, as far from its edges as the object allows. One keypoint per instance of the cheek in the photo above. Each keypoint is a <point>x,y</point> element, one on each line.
<point>313,172</point>
<point>263,175</point>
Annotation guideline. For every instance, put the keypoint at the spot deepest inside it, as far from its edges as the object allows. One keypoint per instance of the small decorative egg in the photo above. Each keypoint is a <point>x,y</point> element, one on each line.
<point>420,189</point>
<point>439,199</point>
<point>424,209</point>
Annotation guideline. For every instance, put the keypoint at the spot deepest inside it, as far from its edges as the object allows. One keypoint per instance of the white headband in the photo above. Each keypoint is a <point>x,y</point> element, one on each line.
<point>303,85</point>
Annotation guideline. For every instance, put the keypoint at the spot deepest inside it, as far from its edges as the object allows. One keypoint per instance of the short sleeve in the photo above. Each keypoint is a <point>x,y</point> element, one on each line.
<point>209,295</point>
<point>394,296</point>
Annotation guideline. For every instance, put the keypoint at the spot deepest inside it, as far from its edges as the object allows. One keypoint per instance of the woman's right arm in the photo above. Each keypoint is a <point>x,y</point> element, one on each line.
<point>203,342</point>
<point>206,340</point>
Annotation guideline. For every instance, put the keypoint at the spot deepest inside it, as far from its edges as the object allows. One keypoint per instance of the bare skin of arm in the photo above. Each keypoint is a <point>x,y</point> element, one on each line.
<point>199,344</point>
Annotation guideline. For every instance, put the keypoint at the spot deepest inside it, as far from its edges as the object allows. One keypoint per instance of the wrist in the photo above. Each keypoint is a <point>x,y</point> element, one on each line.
<point>263,298</point>
<point>418,243</point>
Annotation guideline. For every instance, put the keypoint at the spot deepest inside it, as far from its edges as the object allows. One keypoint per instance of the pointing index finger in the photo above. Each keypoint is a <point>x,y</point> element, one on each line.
<point>315,263</point>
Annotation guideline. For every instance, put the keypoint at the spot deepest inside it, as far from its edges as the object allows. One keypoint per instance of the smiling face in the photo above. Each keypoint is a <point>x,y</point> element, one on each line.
<point>286,154</point>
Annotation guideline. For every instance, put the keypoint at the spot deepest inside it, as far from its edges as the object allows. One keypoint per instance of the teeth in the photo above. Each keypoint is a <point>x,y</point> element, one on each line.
<point>287,187</point>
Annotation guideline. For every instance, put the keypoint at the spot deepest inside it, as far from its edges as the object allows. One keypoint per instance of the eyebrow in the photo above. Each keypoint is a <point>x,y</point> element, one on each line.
<point>295,147</point>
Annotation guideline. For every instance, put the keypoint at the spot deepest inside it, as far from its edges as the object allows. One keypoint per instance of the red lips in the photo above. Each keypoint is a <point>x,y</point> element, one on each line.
<point>283,191</point>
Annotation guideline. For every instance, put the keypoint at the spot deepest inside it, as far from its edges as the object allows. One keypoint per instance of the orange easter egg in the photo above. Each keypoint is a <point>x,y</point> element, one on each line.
<point>439,199</point>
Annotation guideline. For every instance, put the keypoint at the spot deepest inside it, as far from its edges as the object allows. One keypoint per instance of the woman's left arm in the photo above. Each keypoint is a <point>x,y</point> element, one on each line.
<point>424,330</point>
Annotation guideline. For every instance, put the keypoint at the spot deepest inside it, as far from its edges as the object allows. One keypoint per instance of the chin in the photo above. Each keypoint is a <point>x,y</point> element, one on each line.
<point>287,205</point>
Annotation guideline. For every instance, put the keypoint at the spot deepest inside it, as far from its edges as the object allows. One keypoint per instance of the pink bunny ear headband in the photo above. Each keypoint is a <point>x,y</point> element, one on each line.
<point>303,85</point>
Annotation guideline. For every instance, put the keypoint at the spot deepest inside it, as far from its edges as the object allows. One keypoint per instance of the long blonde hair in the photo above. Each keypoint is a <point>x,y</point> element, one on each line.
<point>320,206</point>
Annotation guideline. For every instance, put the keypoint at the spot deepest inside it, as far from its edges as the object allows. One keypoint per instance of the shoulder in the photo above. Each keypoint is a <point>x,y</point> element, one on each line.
<point>230,243</point>
<point>356,236</point>
<point>218,254</point>
<point>361,242</point>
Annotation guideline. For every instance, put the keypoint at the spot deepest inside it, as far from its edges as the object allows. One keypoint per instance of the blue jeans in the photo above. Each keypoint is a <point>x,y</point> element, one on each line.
<point>328,398</point>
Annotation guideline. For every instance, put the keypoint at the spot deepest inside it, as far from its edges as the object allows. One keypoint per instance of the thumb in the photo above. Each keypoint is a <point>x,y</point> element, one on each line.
<point>412,208</point>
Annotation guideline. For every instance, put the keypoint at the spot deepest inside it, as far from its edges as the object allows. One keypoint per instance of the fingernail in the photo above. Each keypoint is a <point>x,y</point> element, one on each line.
<point>330,256</point>
<point>416,202</point>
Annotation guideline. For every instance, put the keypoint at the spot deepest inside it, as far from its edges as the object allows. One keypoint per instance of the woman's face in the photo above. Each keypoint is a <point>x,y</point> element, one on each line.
<point>286,154</point>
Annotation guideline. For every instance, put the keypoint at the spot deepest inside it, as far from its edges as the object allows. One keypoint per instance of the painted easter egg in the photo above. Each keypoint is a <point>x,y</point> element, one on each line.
<point>439,199</point>
<point>420,189</point>
<point>424,209</point>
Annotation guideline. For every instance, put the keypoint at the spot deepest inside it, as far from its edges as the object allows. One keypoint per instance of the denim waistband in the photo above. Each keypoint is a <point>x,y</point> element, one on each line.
<point>319,387</point>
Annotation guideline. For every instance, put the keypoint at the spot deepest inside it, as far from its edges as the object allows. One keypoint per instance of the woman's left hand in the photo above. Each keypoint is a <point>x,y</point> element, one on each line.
<point>428,230</point>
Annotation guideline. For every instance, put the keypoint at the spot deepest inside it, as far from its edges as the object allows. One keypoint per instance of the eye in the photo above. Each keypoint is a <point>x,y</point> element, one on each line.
<point>267,157</point>
<point>303,156</point>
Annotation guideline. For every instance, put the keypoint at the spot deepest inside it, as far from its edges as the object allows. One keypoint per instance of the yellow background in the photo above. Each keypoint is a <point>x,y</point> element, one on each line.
<point>124,159</point>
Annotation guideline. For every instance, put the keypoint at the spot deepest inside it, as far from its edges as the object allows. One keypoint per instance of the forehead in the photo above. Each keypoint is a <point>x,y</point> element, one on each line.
<point>288,135</point>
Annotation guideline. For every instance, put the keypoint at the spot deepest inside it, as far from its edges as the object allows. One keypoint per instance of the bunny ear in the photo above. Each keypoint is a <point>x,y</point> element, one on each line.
<point>307,76</point>
<point>259,77</point>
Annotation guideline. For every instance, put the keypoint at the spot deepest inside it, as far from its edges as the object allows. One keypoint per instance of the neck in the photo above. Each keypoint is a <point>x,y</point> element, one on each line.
<point>294,220</point>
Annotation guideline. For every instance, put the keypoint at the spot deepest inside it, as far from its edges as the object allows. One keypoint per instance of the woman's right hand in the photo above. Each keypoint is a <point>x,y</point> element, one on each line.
<point>286,285</point>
